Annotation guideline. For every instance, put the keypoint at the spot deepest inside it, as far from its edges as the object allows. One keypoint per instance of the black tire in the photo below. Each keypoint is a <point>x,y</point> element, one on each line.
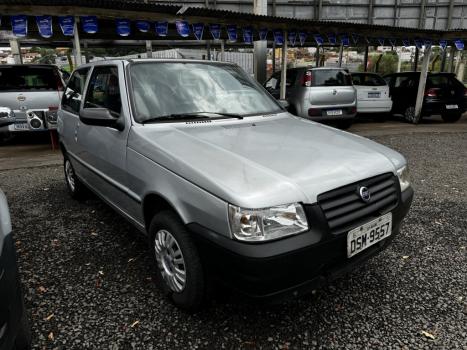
<point>75,187</point>
<point>381,117</point>
<point>409,114</point>
<point>192,296</point>
<point>451,117</point>
<point>23,338</point>
<point>345,124</point>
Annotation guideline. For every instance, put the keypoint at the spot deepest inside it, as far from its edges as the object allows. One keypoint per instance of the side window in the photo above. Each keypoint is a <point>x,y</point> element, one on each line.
<point>103,90</point>
<point>73,94</point>
<point>402,81</point>
<point>273,83</point>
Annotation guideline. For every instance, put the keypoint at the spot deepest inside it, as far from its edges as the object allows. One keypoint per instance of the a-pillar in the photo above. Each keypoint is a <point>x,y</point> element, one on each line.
<point>284,67</point>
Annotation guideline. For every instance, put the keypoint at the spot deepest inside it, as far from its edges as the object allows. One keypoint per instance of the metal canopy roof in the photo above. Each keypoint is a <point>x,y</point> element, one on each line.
<point>108,10</point>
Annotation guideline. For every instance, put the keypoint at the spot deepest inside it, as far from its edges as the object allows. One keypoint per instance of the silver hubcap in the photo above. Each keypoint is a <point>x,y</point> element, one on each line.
<point>70,175</point>
<point>170,260</point>
<point>410,114</point>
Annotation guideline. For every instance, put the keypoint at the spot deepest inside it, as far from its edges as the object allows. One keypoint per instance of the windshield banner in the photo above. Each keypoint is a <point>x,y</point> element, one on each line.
<point>67,25</point>
<point>248,35</point>
<point>406,42</point>
<point>19,25</point>
<point>278,36</point>
<point>44,25</point>
<point>232,32</point>
<point>89,24</point>
<point>215,30</point>
<point>319,39</point>
<point>162,28</point>
<point>263,34</point>
<point>443,44</point>
<point>292,36</point>
<point>302,37</point>
<point>183,28</point>
<point>459,44</point>
<point>143,26</point>
<point>123,26</point>
<point>198,29</point>
<point>345,40</point>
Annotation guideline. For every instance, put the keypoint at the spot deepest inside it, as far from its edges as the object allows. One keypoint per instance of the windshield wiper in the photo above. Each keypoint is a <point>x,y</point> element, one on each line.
<point>194,115</point>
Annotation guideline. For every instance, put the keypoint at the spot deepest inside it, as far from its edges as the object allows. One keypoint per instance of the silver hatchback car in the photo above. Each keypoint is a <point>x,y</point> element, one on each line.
<point>319,94</point>
<point>228,186</point>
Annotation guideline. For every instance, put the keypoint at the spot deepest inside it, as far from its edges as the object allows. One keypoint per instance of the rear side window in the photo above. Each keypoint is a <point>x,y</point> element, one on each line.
<point>73,95</point>
<point>405,81</point>
<point>368,80</point>
<point>103,90</point>
<point>331,77</point>
<point>27,78</point>
<point>274,83</point>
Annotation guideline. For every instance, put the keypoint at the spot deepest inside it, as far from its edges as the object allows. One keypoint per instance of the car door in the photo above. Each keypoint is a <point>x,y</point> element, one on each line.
<point>68,121</point>
<point>102,150</point>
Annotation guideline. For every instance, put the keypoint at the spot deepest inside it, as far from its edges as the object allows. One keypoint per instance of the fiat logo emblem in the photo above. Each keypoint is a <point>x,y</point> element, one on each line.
<point>364,193</point>
<point>21,98</point>
<point>334,92</point>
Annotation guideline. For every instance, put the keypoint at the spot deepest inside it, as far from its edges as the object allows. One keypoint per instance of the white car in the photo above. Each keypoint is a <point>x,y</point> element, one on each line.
<point>372,93</point>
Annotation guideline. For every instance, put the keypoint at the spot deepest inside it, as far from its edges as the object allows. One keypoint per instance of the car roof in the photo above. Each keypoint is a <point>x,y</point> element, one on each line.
<point>35,65</point>
<point>155,60</point>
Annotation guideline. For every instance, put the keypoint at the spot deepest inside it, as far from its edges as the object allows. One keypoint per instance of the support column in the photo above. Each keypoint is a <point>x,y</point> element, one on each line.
<point>222,51</point>
<point>317,56</point>
<point>284,67</point>
<point>208,50</point>
<point>443,60</point>
<point>415,60</point>
<point>422,84</point>
<point>274,9</point>
<point>341,53</point>
<point>260,7</point>
<point>16,51</point>
<point>365,59</point>
<point>148,48</point>
<point>458,62</point>
<point>399,60</point>
<point>452,54</point>
<point>76,44</point>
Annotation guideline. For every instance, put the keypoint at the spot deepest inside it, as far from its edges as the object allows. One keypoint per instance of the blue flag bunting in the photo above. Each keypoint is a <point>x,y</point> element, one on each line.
<point>302,37</point>
<point>345,40</point>
<point>459,44</point>
<point>319,39</point>
<point>427,43</point>
<point>123,26</point>
<point>406,42</point>
<point>381,41</point>
<point>215,31</point>
<point>162,28</point>
<point>183,29</point>
<point>232,32</point>
<point>19,25</point>
<point>392,41</point>
<point>44,25</point>
<point>198,29</point>
<point>67,25</point>
<point>263,34</point>
<point>89,24</point>
<point>278,36</point>
<point>418,44</point>
<point>143,26</point>
<point>443,44</point>
<point>355,38</point>
<point>248,35</point>
<point>292,36</point>
<point>332,38</point>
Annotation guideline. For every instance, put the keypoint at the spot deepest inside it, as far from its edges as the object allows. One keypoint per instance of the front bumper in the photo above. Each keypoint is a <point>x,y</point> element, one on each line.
<point>11,306</point>
<point>294,265</point>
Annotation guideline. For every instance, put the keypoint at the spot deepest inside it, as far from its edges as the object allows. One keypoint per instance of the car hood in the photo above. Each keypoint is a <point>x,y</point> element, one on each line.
<point>263,161</point>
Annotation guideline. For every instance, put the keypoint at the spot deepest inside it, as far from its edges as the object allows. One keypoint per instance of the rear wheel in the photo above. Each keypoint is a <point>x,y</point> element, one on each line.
<point>344,124</point>
<point>179,272</point>
<point>75,187</point>
<point>451,117</point>
<point>409,114</point>
<point>381,117</point>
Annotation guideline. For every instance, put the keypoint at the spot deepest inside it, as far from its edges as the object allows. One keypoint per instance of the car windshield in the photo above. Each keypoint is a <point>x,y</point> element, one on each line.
<point>162,89</point>
<point>368,80</point>
<point>20,78</point>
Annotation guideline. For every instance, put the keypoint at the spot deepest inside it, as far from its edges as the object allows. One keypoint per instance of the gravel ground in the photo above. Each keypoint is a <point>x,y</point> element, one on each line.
<point>87,275</point>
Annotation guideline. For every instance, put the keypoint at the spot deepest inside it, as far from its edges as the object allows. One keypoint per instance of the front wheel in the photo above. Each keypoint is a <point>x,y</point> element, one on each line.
<point>409,114</point>
<point>451,117</point>
<point>75,187</point>
<point>179,272</point>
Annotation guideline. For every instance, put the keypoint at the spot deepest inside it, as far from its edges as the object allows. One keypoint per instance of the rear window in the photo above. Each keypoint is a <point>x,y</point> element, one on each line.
<point>443,80</point>
<point>24,78</point>
<point>368,80</point>
<point>331,77</point>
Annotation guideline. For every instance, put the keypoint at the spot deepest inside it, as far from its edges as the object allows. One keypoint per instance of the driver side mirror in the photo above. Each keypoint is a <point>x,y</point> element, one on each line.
<point>101,117</point>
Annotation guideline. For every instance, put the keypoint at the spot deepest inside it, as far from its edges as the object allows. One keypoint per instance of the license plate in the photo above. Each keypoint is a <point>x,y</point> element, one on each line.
<point>365,236</point>
<point>452,106</point>
<point>374,95</point>
<point>334,112</point>
<point>22,126</point>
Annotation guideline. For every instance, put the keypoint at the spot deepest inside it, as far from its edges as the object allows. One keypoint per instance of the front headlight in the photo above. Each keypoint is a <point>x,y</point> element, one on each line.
<point>269,223</point>
<point>404,179</point>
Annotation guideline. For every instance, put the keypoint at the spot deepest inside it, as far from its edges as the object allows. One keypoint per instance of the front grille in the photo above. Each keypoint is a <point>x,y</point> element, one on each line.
<point>344,209</point>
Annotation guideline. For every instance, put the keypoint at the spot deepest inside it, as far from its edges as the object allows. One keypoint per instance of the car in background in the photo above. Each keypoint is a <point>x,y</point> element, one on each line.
<point>444,95</point>
<point>14,325</point>
<point>373,96</point>
<point>32,92</point>
<point>320,94</point>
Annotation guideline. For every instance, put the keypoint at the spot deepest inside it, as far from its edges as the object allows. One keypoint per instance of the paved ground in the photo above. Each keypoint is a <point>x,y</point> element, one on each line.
<point>87,275</point>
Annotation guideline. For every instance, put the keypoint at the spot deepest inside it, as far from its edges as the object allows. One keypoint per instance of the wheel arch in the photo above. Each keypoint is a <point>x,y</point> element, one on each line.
<point>154,203</point>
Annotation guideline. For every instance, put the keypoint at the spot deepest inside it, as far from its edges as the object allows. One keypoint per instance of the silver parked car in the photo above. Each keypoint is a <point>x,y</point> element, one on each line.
<point>228,186</point>
<point>319,94</point>
<point>32,92</point>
